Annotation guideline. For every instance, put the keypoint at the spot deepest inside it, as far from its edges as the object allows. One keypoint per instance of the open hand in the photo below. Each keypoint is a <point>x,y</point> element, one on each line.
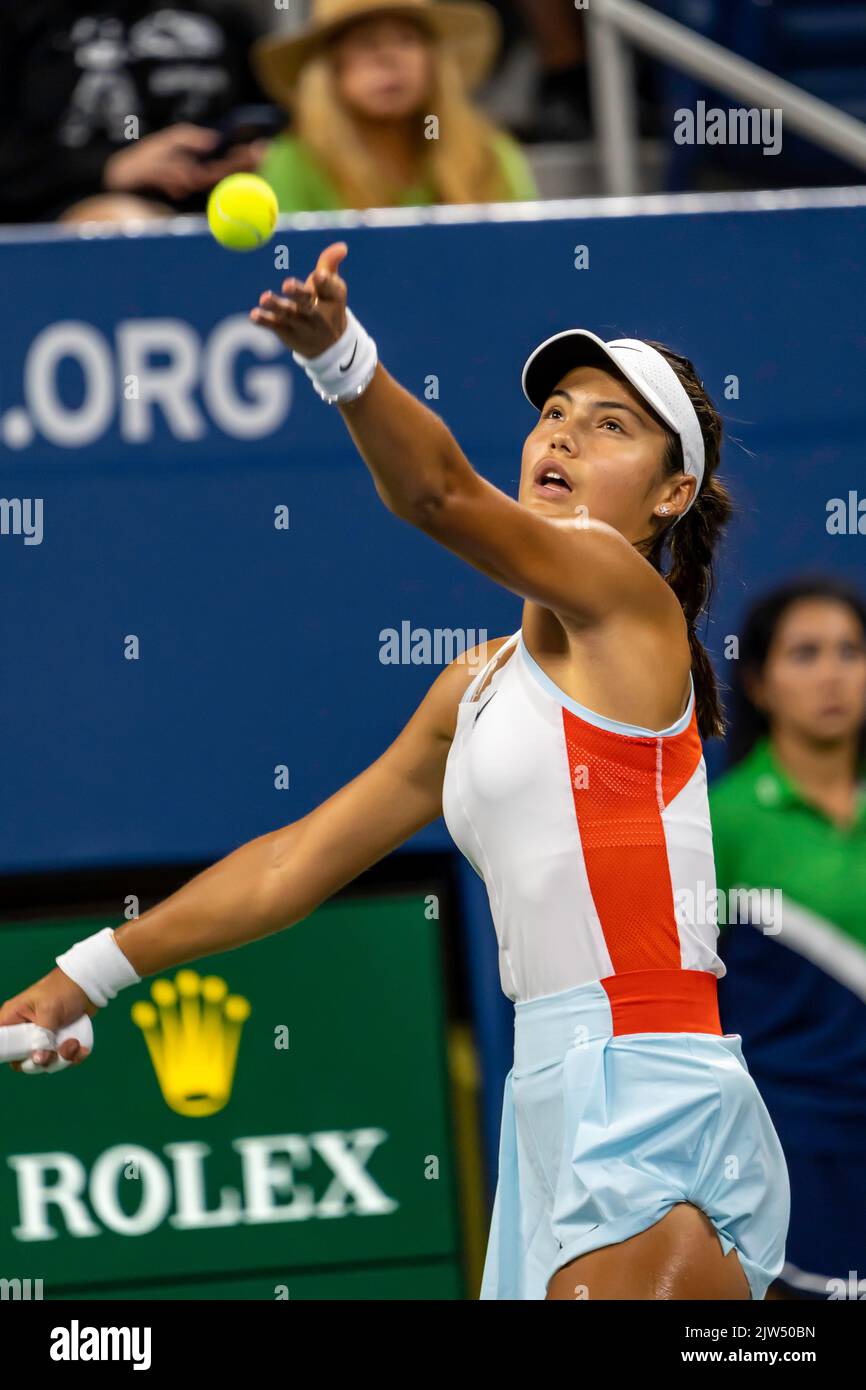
<point>308,317</point>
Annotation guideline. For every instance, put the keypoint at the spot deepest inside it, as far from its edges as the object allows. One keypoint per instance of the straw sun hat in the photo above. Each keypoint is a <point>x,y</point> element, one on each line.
<point>471,29</point>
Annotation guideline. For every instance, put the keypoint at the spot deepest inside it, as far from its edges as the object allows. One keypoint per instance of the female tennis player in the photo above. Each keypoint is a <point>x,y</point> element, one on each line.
<point>637,1158</point>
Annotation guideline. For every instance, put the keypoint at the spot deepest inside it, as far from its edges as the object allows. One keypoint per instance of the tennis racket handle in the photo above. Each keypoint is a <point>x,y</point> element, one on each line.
<point>19,1040</point>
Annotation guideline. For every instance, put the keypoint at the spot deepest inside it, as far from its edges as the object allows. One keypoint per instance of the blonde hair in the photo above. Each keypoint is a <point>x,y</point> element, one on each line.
<point>461,164</point>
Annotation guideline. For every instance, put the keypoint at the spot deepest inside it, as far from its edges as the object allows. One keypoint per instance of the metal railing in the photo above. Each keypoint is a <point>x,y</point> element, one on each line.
<point>615,24</point>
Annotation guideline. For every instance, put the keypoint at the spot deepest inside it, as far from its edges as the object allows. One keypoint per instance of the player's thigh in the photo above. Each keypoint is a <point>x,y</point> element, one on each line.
<point>680,1257</point>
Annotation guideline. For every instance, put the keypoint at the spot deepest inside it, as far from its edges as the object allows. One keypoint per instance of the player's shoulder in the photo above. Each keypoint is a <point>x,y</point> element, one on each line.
<point>462,671</point>
<point>454,680</point>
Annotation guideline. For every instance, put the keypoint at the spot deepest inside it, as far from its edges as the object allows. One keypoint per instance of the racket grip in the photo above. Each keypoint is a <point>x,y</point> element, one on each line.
<point>18,1040</point>
<point>81,1029</point>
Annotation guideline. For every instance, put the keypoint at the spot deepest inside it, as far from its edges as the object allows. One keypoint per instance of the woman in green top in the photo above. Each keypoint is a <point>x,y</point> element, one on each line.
<point>377,91</point>
<point>789,834</point>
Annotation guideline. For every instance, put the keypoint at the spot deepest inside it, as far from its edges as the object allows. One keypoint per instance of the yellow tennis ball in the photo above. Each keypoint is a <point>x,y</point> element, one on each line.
<point>242,212</point>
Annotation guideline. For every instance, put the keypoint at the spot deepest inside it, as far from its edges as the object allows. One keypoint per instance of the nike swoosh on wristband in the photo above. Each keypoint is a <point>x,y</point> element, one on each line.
<point>351,359</point>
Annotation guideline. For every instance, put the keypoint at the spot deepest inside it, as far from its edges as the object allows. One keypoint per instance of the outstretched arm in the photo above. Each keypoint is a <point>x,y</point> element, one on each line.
<point>280,878</point>
<point>580,568</point>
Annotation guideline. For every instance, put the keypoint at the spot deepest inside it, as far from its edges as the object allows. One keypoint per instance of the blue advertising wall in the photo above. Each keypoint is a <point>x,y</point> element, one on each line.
<point>161,429</point>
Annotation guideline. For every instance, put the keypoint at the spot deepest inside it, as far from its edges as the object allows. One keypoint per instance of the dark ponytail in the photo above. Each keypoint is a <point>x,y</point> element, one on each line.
<point>684,550</point>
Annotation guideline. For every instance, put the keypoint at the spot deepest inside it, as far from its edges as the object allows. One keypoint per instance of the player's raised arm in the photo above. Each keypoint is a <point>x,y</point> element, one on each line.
<point>576,565</point>
<point>267,884</point>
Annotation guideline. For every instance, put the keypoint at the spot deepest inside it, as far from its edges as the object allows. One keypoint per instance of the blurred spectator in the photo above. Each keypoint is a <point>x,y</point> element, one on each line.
<point>380,112</point>
<point>561,103</point>
<point>112,101</point>
<point>559,106</point>
<point>790,819</point>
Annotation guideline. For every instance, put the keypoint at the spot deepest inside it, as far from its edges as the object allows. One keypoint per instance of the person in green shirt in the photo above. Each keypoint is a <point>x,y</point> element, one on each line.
<point>789,836</point>
<point>378,92</point>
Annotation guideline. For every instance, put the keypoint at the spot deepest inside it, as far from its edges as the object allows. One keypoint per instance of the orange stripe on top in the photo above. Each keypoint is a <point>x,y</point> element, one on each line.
<point>621,784</point>
<point>664,1001</point>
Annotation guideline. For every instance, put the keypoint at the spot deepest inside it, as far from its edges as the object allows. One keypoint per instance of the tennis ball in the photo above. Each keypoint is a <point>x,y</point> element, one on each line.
<point>242,212</point>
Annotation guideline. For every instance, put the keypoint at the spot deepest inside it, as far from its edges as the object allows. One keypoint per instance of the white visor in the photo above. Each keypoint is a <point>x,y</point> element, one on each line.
<point>651,375</point>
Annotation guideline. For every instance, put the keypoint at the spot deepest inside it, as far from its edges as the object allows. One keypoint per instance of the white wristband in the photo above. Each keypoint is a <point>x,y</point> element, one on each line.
<point>345,369</point>
<point>98,966</point>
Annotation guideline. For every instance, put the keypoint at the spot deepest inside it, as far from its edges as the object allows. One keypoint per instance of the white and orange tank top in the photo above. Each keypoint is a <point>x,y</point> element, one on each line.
<point>593,837</point>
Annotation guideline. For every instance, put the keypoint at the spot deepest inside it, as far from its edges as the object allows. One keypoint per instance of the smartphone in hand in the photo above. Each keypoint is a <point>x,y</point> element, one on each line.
<point>244,124</point>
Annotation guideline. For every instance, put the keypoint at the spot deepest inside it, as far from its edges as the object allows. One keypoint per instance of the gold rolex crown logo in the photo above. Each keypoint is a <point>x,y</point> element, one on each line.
<point>193,1030</point>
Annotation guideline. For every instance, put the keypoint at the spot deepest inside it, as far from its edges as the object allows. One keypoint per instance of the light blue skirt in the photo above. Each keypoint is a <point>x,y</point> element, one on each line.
<point>601,1135</point>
